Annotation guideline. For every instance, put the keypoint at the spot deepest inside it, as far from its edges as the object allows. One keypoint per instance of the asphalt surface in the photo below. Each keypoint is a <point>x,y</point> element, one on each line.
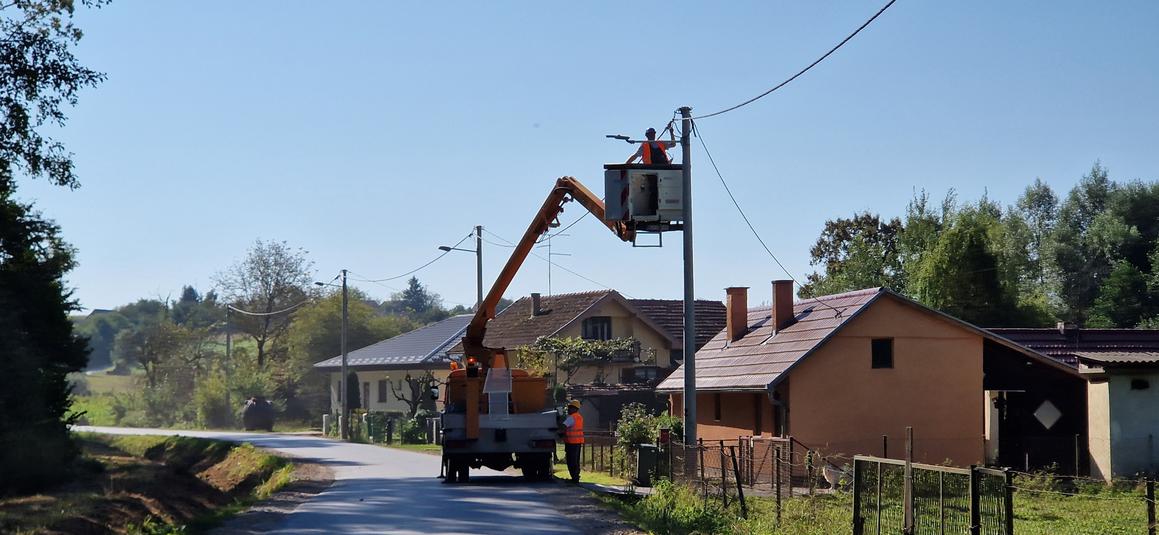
<point>385,490</point>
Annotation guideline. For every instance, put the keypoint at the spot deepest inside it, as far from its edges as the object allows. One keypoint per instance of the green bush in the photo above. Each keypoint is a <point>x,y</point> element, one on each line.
<point>412,432</point>
<point>677,509</point>
<point>213,408</point>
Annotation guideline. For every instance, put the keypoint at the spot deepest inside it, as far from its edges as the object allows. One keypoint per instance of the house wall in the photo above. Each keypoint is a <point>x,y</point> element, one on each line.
<point>624,325</point>
<point>1134,423</point>
<point>737,414</point>
<point>394,376</point>
<point>1099,428</point>
<point>839,404</point>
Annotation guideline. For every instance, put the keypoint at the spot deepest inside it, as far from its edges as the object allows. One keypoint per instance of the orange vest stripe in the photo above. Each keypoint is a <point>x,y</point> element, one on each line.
<point>649,146</point>
<point>575,433</point>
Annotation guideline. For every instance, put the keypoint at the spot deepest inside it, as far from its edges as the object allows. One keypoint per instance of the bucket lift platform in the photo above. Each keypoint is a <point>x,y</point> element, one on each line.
<point>649,198</point>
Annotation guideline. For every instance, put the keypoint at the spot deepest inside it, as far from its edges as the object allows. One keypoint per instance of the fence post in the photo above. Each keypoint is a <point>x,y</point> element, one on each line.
<point>777,481</point>
<point>744,510</point>
<point>885,446</point>
<point>908,489</point>
<point>1008,500</point>
<point>975,506</point>
<point>1150,507</point>
<point>877,504</point>
<point>1076,454</point>
<point>723,477</point>
<point>857,481</point>
<point>700,452</point>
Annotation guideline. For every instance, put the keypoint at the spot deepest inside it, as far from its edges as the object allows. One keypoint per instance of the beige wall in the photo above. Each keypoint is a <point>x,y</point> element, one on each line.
<point>394,376</point>
<point>839,404</point>
<point>624,325</point>
<point>1134,423</point>
<point>737,414</point>
<point>1099,428</point>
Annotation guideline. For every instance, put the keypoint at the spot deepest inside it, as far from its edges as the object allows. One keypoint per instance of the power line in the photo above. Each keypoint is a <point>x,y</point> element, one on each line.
<point>570,225</point>
<point>275,313</point>
<point>556,264</point>
<point>806,69</point>
<point>420,268</point>
<point>696,131</point>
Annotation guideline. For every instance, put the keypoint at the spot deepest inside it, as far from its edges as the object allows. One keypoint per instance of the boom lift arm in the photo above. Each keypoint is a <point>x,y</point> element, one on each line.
<point>566,189</point>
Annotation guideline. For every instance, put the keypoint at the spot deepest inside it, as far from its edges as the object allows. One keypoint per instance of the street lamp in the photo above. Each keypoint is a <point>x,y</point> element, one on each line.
<point>478,263</point>
<point>344,383</point>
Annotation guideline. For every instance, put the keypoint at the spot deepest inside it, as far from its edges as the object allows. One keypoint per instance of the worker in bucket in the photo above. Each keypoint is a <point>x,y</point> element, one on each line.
<point>573,438</point>
<point>652,151</point>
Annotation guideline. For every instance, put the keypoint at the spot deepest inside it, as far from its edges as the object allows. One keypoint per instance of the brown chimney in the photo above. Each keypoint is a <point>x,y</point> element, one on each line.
<point>736,306</point>
<point>535,305</point>
<point>783,304</point>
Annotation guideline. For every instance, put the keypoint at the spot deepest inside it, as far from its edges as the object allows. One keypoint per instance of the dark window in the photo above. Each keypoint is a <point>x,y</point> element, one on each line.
<point>716,407</point>
<point>338,389</point>
<point>882,352</point>
<point>645,374</point>
<point>1140,384</point>
<point>676,356</point>
<point>382,390</point>
<point>365,395</point>
<point>597,328</point>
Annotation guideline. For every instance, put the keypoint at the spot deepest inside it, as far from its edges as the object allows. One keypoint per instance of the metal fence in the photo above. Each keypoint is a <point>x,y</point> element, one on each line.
<point>892,496</point>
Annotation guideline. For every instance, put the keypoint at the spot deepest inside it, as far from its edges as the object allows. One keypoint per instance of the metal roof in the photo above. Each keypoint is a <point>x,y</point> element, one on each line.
<point>423,347</point>
<point>1064,345</point>
<point>1119,357</point>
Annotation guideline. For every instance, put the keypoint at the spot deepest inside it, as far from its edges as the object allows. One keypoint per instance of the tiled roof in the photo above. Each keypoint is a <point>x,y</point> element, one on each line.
<point>669,314</point>
<point>760,356</point>
<point>422,347</point>
<point>1064,345</point>
<point>1113,358</point>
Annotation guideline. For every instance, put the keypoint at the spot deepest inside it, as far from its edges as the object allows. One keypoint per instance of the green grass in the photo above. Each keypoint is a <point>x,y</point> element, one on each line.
<point>432,449</point>
<point>599,478</point>
<point>103,383</point>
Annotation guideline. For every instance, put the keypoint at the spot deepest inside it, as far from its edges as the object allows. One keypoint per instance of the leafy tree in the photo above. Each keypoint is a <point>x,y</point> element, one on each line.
<point>857,253</point>
<point>101,329</point>
<point>38,347</point>
<point>39,76</point>
<point>1123,299</point>
<point>354,389</point>
<point>315,335</point>
<point>569,354</point>
<point>272,277</point>
<point>1037,209</point>
<point>1075,258</point>
<point>195,310</point>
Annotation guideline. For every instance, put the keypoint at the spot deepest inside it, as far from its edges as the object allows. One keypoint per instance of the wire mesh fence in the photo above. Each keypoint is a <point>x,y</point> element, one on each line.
<point>1049,504</point>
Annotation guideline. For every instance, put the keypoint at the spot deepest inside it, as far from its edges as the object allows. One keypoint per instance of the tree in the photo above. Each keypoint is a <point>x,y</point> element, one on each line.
<point>1037,208</point>
<point>860,252</point>
<point>569,354</point>
<point>1076,258</point>
<point>315,335</point>
<point>1123,300</point>
<point>38,347</point>
<point>415,392</point>
<point>353,388</point>
<point>273,277</point>
<point>195,310</point>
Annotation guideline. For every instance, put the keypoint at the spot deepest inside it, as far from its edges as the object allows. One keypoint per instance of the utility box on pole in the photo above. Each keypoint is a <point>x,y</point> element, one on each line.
<point>650,197</point>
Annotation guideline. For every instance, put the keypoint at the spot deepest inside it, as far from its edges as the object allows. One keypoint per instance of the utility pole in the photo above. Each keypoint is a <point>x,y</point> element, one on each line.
<point>228,359</point>
<point>689,294</point>
<point>345,382</point>
<point>478,266</point>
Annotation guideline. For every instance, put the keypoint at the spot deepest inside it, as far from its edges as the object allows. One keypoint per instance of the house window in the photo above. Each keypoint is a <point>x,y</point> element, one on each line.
<point>716,406</point>
<point>645,374</point>
<point>882,349</point>
<point>365,395</point>
<point>597,328</point>
<point>1140,384</point>
<point>382,390</point>
<point>338,389</point>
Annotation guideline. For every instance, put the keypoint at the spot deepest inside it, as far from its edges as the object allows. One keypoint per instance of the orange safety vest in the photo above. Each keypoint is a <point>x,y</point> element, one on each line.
<point>650,146</point>
<point>575,433</point>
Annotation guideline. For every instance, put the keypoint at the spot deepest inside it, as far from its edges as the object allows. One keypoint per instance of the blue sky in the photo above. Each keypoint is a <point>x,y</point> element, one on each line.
<point>368,133</point>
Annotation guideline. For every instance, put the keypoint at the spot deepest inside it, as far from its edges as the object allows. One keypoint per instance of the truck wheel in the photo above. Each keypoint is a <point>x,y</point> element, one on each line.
<point>547,468</point>
<point>464,471</point>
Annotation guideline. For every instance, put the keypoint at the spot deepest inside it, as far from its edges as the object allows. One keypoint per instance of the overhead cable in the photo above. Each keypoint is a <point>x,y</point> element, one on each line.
<point>420,268</point>
<point>696,131</point>
<point>275,313</point>
<point>556,264</point>
<point>802,71</point>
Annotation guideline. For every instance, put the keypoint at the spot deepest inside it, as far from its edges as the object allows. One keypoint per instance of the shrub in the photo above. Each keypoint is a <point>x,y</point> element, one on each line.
<point>673,508</point>
<point>412,431</point>
<point>213,410</point>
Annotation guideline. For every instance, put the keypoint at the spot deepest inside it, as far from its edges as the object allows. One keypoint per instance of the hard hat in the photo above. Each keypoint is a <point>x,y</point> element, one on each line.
<point>574,403</point>
<point>650,131</point>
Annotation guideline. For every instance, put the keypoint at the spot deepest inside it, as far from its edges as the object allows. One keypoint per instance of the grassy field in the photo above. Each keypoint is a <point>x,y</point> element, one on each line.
<point>149,484</point>
<point>433,449</point>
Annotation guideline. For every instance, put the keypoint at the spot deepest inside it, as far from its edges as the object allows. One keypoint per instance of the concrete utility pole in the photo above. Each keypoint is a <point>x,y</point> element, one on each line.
<point>228,359</point>
<point>345,383</point>
<point>689,294</point>
<point>478,266</point>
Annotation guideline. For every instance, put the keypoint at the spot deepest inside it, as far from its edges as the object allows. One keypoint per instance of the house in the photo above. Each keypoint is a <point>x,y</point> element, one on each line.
<point>845,374</point>
<point>383,366</point>
<point>603,315</point>
<point>1122,370</point>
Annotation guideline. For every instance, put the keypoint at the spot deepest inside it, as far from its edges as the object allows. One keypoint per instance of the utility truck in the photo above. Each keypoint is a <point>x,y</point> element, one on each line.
<point>498,416</point>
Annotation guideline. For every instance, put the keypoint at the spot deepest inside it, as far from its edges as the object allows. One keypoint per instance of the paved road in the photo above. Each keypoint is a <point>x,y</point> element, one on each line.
<point>383,490</point>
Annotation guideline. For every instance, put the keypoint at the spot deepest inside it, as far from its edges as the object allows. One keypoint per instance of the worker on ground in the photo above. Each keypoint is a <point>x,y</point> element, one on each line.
<point>573,439</point>
<point>652,151</point>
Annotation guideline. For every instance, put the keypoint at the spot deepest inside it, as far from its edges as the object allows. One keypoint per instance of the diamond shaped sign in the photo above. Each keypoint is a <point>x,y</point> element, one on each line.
<point>1047,414</point>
